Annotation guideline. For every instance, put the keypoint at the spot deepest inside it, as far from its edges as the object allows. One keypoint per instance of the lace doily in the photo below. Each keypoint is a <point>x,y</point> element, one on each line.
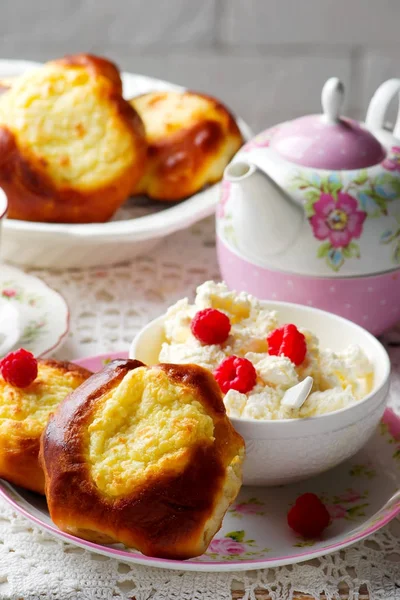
<point>108,306</point>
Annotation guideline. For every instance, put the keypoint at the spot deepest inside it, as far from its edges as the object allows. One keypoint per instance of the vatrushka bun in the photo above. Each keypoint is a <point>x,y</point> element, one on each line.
<point>71,148</point>
<point>23,416</point>
<point>145,456</point>
<point>191,138</point>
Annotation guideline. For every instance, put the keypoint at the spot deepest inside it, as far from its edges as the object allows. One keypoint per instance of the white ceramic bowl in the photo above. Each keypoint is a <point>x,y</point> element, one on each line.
<point>284,451</point>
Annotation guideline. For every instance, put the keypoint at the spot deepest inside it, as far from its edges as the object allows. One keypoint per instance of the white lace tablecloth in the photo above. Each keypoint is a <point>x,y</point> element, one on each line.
<point>108,306</point>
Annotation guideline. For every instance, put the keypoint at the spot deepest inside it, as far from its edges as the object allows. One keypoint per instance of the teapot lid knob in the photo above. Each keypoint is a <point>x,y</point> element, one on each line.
<point>328,141</point>
<point>332,100</point>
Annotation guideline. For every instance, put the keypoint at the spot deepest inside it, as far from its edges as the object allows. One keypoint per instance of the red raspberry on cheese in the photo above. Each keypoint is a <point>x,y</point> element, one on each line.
<point>236,373</point>
<point>210,326</point>
<point>288,341</point>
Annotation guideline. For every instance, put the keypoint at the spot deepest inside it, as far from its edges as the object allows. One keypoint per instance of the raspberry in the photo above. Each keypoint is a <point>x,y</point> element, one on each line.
<point>236,373</point>
<point>19,368</point>
<point>289,342</point>
<point>309,516</point>
<point>210,326</point>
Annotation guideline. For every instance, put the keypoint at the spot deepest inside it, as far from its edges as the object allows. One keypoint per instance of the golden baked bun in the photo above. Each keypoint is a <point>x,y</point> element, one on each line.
<point>23,416</point>
<point>71,148</point>
<point>145,456</point>
<point>191,138</point>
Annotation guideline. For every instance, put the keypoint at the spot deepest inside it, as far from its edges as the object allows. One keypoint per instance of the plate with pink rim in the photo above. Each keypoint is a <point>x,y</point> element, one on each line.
<point>362,495</point>
<point>41,314</point>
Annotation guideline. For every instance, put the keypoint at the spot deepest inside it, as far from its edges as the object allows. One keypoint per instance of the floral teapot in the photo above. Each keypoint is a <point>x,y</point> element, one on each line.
<point>316,197</point>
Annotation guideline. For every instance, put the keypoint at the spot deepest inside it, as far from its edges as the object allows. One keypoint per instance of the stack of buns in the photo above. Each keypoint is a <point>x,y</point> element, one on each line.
<point>145,456</point>
<point>73,150</point>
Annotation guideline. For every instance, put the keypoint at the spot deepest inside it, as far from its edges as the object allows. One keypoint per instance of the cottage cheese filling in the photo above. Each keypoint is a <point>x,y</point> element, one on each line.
<point>340,378</point>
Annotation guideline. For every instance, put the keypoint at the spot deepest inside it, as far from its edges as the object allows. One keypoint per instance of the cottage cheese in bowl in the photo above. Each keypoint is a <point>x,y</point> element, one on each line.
<point>341,378</point>
<point>350,370</point>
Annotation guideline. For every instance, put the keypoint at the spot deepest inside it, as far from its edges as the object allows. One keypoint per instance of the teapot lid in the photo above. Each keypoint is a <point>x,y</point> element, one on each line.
<point>328,141</point>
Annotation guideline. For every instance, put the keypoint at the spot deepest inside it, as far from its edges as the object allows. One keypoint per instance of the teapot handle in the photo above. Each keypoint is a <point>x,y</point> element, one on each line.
<point>379,103</point>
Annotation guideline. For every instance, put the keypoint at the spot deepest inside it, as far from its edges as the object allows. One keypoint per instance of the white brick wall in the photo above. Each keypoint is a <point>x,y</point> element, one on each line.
<point>260,88</point>
<point>311,22</point>
<point>267,59</point>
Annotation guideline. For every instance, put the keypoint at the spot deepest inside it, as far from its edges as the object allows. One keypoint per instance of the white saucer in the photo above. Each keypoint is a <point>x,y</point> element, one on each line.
<point>362,495</point>
<point>41,314</point>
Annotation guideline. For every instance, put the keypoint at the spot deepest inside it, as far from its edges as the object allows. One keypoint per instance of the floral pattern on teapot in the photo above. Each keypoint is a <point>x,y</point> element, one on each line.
<point>392,162</point>
<point>337,210</point>
<point>344,174</point>
<point>336,216</point>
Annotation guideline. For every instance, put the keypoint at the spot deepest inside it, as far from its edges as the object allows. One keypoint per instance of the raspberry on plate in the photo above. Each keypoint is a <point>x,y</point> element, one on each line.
<point>288,341</point>
<point>210,326</point>
<point>309,516</point>
<point>19,368</point>
<point>236,373</point>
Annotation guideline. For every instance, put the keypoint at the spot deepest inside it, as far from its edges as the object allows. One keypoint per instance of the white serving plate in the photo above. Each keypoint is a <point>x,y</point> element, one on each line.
<point>362,495</point>
<point>136,228</point>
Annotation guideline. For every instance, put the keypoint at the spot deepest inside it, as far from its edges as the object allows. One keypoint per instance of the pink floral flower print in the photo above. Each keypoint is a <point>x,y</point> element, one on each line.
<point>226,546</point>
<point>9,293</point>
<point>339,221</point>
<point>392,162</point>
<point>392,421</point>
<point>336,511</point>
<point>248,508</point>
<point>350,496</point>
<point>225,191</point>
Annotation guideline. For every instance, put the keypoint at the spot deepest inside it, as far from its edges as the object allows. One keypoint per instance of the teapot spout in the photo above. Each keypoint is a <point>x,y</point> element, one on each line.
<point>265,220</point>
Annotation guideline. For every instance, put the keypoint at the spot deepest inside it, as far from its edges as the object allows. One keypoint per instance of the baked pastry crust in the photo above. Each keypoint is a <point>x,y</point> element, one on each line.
<point>23,416</point>
<point>191,138</point>
<point>145,456</point>
<point>71,148</point>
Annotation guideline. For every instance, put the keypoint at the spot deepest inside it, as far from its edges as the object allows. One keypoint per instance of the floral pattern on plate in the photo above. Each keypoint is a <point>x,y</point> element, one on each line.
<point>253,506</point>
<point>13,292</point>
<point>390,428</point>
<point>350,504</point>
<point>366,470</point>
<point>42,311</point>
<point>234,545</point>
